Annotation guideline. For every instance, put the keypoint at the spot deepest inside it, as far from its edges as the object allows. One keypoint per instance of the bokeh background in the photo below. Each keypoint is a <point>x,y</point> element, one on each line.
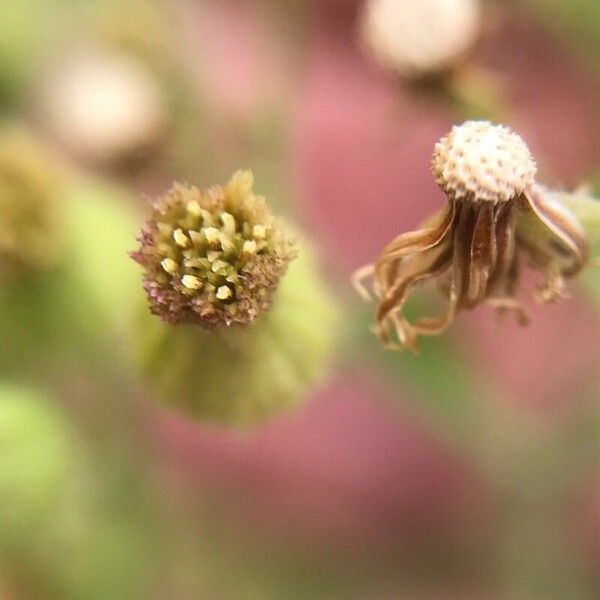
<point>468,471</point>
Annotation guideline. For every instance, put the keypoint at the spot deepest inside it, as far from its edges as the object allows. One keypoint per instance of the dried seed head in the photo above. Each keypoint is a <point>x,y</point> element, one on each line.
<point>483,162</point>
<point>420,37</point>
<point>213,257</point>
<point>496,220</point>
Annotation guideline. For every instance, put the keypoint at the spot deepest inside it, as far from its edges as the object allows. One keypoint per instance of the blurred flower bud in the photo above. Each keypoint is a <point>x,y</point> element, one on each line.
<point>37,463</point>
<point>198,245</point>
<point>420,38</point>
<point>61,237</point>
<point>29,184</point>
<point>138,28</point>
<point>105,107</point>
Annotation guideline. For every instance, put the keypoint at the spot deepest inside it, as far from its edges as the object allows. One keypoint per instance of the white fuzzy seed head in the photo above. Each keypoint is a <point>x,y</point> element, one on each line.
<point>483,162</point>
<point>420,37</point>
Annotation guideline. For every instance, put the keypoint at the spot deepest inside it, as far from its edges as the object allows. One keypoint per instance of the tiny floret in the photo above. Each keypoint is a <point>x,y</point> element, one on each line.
<point>483,162</point>
<point>191,282</point>
<point>259,232</point>
<point>249,247</point>
<point>213,257</point>
<point>180,238</point>
<point>212,235</point>
<point>194,208</point>
<point>224,293</point>
<point>169,265</point>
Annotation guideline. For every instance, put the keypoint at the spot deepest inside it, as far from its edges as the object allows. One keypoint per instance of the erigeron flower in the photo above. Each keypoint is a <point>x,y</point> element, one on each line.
<point>241,336</point>
<point>497,220</point>
<point>419,38</point>
<point>213,257</point>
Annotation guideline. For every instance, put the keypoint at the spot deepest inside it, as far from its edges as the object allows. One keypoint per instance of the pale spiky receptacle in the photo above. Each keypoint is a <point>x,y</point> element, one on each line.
<point>483,162</point>
<point>420,38</point>
<point>240,336</point>
<point>29,184</point>
<point>497,219</point>
<point>213,257</point>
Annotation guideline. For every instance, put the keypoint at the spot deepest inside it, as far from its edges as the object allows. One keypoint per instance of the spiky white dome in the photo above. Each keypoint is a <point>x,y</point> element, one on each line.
<point>418,37</point>
<point>482,161</point>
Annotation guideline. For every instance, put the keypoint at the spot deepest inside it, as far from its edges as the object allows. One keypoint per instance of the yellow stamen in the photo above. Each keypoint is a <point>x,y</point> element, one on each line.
<point>194,208</point>
<point>191,282</point>
<point>224,293</point>
<point>169,265</point>
<point>180,238</point>
<point>211,234</point>
<point>249,247</point>
<point>228,223</point>
<point>259,232</point>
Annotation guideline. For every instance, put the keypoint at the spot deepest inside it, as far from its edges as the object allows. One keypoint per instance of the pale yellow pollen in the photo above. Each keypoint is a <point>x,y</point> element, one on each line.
<point>226,243</point>
<point>224,293</point>
<point>180,238</point>
<point>228,223</point>
<point>191,282</point>
<point>169,265</point>
<point>206,217</point>
<point>249,247</point>
<point>194,208</point>
<point>211,234</point>
<point>259,232</point>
